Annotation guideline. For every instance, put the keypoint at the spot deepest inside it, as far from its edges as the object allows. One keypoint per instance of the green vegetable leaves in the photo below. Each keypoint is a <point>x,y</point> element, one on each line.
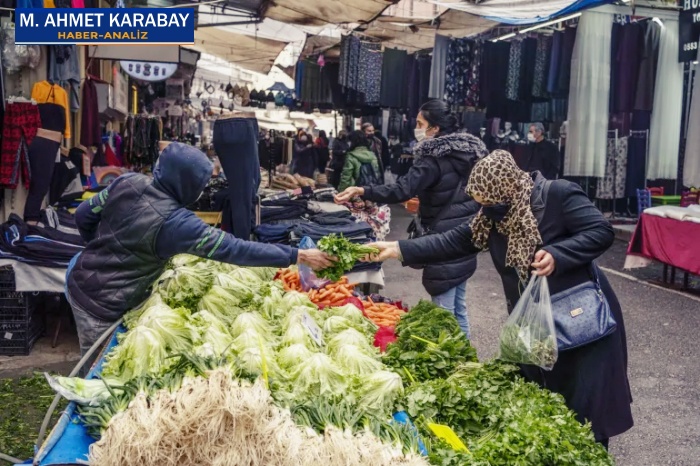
<point>347,253</point>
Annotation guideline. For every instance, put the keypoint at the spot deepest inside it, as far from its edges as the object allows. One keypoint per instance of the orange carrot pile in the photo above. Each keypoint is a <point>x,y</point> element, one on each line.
<point>289,279</point>
<point>382,314</point>
<point>333,294</point>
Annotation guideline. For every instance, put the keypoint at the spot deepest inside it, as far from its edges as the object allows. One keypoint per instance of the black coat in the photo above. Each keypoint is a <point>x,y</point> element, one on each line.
<point>545,158</point>
<point>593,378</point>
<point>441,168</point>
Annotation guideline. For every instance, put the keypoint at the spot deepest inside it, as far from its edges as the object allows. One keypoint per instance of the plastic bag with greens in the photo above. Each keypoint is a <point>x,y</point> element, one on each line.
<point>528,336</point>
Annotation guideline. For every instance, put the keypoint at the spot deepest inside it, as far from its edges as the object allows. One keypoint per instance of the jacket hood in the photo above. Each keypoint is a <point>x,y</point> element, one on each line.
<point>183,172</point>
<point>448,144</point>
<point>363,154</point>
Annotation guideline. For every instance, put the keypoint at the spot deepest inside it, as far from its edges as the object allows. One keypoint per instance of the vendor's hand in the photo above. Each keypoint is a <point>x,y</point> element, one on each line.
<point>349,193</point>
<point>544,264</point>
<point>315,259</point>
<point>387,250</point>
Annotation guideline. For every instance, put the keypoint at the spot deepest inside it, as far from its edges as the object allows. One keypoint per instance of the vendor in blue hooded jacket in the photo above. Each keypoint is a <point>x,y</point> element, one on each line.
<point>137,224</point>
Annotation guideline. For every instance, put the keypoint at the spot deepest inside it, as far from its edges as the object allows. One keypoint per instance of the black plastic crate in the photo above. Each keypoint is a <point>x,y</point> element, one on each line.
<point>20,342</point>
<point>7,278</point>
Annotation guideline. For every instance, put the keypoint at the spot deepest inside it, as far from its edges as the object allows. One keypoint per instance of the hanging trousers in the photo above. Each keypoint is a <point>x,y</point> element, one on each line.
<point>236,145</point>
<point>21,123</point>
<point>42,160</point>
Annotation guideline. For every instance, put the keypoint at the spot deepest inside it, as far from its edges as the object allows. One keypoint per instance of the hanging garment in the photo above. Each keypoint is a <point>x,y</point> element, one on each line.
<point>527,69</point>
<point>369,72</point>
<point>542,59</point>
<point>392,76</point>
<point>567,53</point>
<point>665,134</point>
<point>637,153</point>
<point>589,97</point>
<point>691,165</point>
<point>64,69</point>
<point>20,125</point>
<point>555,62</point>
<point>647,68</point>
<point>46,92</point>
<point>458,62</point>
<point>494,74</point>
<point>514,66</point>
<point>437,68</point>
<point>613,184</point>
<point>472,97</point>
<point>90,132</point>
<point>626,63</point>
<point>42,160</point>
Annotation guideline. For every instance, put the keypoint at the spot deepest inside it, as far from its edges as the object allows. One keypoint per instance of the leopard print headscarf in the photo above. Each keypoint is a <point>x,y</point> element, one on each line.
<point>496,179</point>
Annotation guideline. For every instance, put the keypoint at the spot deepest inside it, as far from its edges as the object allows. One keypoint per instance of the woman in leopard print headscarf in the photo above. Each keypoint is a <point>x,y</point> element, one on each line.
<point>497,181</point>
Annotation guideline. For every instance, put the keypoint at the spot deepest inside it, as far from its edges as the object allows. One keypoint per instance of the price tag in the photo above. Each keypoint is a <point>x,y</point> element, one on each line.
<point>314,331</point>
<point>8,336</point>
<point>448,435</point>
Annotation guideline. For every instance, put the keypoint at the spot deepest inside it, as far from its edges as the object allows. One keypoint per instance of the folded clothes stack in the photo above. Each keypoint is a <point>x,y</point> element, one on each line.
<point>24,243</point>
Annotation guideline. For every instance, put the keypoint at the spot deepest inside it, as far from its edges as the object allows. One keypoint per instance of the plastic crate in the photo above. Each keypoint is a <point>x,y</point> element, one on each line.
<point>19,342</point>
<point>20,326</point>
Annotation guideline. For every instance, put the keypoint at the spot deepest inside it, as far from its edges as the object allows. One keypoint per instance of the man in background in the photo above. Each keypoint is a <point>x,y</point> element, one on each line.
<point>543,155</point>
<point>375,146</point>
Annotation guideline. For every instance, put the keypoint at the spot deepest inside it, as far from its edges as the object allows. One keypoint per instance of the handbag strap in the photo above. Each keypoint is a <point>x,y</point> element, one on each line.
<point>447,206</point>
<point>538,215</point>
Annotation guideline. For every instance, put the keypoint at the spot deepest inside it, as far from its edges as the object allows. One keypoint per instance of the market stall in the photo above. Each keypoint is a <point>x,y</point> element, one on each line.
<point>222,363</point>
<point>667,234</point>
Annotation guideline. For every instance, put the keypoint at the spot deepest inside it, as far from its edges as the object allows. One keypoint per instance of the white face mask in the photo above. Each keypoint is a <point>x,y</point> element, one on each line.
<point>419,133</point>
<point>531,137</point>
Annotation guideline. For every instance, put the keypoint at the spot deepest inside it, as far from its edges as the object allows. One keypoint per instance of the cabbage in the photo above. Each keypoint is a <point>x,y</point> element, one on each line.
<point>266,274</point>
<point>250,321</point>
<point>347,337</point>
<point>222,303</point>
<point>348,311</point>
<point>356,361</point>
<point>336,324</point>
<point>247,339</point>
<point>318,375</point>
<point>250,362</point>
<point>184,286</point>
<point>292,355</point>
<point>140,351</point>
<point>380,390</point>
<point>212,330</point>
<point>294,298</point>
<point>91,392</point>
<point>184,260</point>
<point>131,317</point>
<point>297,333</point>
<point>272,306</point>
<point>171,325</point>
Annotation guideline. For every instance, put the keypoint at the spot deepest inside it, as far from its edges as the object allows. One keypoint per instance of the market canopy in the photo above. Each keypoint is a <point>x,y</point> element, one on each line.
<point>519,11</point>
<point>321,13</point>
<point>254,54</point>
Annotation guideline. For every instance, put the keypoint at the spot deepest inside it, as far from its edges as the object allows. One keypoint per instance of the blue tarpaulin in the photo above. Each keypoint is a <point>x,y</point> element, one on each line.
<point>521,12</point>
<point>69,443</point>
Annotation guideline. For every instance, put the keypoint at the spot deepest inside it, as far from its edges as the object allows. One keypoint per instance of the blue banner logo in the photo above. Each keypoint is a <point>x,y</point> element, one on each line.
<point>62,26</point>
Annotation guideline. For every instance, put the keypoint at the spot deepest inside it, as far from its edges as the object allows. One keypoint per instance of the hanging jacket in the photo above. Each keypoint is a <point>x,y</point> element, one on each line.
<point>440,165</point>
<point>137,224</point>
<point>354,161</point>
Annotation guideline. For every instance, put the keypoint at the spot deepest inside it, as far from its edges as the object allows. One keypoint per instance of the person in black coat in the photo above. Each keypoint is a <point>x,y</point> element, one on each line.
<point>543,156</point>
<point>555,232</point>
<point>339,148</point>
<point>444,159</point>
<point>304,156</point>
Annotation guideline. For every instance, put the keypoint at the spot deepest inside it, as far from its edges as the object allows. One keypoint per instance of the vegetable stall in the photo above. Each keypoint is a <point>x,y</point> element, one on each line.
<point>226,365</point>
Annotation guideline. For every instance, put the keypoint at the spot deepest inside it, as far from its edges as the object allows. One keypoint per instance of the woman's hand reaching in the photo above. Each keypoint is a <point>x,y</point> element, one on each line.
<point>349,194</point>
<point>315,259</point>
<point>544,264</point>
<point>387,250</point>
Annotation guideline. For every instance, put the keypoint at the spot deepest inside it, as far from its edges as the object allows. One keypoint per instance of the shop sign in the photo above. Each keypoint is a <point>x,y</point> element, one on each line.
<point>689,31</point>
<point>146,71</point>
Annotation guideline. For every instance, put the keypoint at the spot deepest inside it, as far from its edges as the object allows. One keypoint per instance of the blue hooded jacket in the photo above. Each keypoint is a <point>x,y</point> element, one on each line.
<point>137,224</point>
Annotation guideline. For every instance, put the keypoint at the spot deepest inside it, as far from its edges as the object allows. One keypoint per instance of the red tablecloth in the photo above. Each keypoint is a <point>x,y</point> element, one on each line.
<point>669,241</point>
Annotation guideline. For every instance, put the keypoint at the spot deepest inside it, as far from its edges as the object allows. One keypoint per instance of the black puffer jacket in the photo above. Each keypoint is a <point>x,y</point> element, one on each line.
<point>441,165</point>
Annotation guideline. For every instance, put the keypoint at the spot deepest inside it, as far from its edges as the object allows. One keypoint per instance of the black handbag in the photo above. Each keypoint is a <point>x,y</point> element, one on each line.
<point>582,314</point>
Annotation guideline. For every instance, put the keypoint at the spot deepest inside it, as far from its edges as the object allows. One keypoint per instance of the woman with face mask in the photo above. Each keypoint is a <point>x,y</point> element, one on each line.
<point>444,158</point>
<point>548,228</point>
<point>304,157</point>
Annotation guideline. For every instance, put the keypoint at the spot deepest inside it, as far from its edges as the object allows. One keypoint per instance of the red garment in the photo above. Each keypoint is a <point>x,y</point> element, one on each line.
<point>667,240</point>
<point>22,120</point>
<point>111,157</point>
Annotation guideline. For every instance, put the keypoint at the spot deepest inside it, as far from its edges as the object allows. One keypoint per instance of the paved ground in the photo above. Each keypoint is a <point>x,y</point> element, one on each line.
<point>661,325</point>
<point>662,329</point>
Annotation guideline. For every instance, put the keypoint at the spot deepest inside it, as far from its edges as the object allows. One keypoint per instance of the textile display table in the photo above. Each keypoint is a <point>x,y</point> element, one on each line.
<point>670,235</point>
<point>34,278</point>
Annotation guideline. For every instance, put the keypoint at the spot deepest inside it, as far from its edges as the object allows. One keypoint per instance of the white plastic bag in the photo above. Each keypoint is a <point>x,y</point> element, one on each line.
<point>528,336</point>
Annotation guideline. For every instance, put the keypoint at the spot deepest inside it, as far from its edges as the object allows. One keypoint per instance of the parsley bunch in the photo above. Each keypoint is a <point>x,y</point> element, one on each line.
<point>346,252</point>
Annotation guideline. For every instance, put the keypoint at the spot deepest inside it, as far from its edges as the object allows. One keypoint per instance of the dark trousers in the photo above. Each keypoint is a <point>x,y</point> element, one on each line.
<point>42,159</point>
<point>236,145</point>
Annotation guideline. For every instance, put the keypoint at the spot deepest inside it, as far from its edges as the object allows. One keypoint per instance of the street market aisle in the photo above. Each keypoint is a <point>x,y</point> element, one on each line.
<point>662,342</point>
